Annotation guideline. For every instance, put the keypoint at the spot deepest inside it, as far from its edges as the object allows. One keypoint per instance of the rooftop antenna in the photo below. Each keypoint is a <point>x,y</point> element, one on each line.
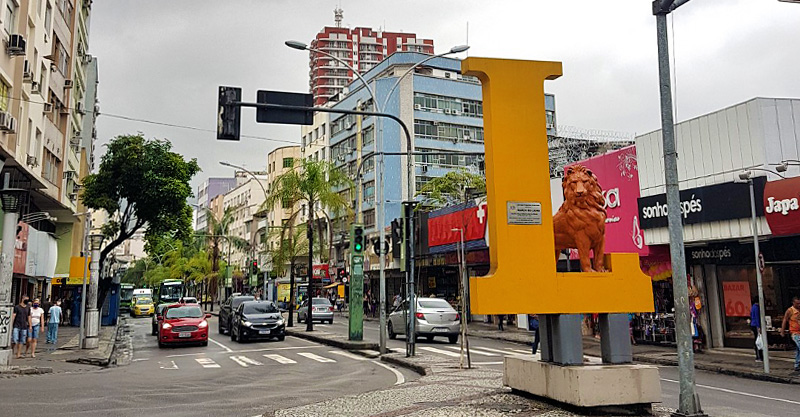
<point>338,14</point>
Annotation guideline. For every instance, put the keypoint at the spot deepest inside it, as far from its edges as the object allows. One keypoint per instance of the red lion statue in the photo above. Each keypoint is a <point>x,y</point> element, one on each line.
<point>581,221</point>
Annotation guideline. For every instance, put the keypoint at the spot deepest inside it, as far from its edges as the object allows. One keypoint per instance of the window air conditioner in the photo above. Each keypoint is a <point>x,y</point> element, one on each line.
<point>418,107</point>
<point>67,83</point>
<point>15,45</point>
<point>48,107</point>
<point>31,160</point>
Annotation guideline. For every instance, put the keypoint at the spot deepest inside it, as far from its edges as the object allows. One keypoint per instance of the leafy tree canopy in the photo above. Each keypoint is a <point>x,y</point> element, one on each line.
<point>140,183</point>
<point>451,188</point>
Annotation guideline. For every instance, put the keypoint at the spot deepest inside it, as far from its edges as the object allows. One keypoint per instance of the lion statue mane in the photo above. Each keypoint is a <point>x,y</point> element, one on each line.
<point>580,223</point>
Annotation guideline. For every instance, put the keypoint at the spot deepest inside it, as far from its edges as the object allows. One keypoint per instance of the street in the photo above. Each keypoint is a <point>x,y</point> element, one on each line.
<point>222,379</point>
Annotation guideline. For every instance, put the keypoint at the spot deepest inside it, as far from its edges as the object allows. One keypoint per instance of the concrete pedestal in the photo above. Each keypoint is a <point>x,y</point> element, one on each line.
<point>92,329</point>
<point>584,386</point>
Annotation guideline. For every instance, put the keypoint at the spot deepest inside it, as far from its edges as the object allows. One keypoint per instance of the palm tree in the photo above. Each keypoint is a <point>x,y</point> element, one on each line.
<point>312,183</point>
<point>218,230</point>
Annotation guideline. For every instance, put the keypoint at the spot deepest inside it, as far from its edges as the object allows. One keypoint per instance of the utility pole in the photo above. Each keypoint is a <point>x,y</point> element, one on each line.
<point>10,200</point>
<point>310,295</point>
<point>689,402</point>
<point>92,316</point>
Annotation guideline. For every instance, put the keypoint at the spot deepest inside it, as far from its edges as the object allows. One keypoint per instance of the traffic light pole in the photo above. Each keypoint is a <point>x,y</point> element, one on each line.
<point>356,305</point>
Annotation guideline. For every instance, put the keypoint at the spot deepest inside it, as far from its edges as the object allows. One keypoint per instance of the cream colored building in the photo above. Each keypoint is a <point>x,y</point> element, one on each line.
<point>245,199</point>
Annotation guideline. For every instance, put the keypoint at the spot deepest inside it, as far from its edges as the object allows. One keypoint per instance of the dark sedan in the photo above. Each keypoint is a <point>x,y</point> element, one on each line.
<point>257,320</point>
<point>228,308</point>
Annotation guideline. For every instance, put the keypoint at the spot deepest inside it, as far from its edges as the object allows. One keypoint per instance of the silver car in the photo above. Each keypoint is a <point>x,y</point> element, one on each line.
<point>322,310</point>
<point>434,317</point>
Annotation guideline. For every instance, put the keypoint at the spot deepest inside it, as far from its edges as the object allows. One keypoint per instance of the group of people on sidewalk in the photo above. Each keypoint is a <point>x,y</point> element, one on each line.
<point>29,320</point>
<point>791,320</point>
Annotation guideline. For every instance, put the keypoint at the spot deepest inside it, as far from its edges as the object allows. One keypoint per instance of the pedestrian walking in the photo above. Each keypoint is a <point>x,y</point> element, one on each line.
<point>52,323</point>
<point>67,310</point>
<point>500,322</point>
<point>37,326</point>
<point>755,327</point>
<point>21,319</point>
<point>533,325</point>
<point>792,319</point>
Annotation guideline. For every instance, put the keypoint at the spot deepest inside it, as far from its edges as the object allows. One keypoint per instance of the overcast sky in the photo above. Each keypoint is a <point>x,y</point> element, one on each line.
<point>163,60</point>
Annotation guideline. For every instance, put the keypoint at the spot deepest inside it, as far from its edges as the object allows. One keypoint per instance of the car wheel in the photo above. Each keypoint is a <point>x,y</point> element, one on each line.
<point>429,338</point>
<point>390,329</point>
<point>154,331</point>
<point>160,345</point>
<point>233,334</point>
<point>452,339</point>
<point>281,338</point>
<point>330,321</point>
<point>204,343</point>
<point>219,327</point>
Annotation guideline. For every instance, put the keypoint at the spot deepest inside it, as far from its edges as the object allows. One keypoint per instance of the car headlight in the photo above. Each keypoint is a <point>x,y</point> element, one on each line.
<point>247,323</point>
<point>279,322</point>
<point>203,324</point>
<point>166,326</point>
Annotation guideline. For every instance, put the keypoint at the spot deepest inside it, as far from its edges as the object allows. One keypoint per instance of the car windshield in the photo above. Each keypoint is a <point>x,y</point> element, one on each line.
<point>321,301</point>
<point>184,311</point>
<point>144,301</point>
<point>434,303</point>
<point>160,308</point>
<point>259,308</point>
<point>238,300</point>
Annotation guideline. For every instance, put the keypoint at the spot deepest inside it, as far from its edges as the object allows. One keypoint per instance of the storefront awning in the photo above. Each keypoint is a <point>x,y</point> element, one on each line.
<point>335,284</point>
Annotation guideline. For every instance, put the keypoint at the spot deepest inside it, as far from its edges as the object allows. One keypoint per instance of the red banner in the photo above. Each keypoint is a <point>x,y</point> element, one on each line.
<point>782,206</point>
<point>321,272</point>
<point>445,229</point>
<point>737,298</point>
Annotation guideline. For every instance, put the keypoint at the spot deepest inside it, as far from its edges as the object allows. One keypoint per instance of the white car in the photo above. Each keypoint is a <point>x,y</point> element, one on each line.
<point>434,317</point>
<point>187,300</point>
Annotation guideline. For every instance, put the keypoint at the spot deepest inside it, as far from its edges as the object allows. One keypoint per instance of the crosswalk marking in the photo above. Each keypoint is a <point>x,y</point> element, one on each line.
<point>440,351</point>
<point>315,357</point>
<point>473,350</point>
<point>244,361</point>
<point>167,365</point>
<point>278,358</point>
<point>348,355</point>
<point>207,363</point>
<point>502,352</point>
<point>520,350</point>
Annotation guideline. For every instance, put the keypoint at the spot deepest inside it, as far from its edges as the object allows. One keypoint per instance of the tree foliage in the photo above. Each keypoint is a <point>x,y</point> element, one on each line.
<point>140,183</point>
<point>451,188</point>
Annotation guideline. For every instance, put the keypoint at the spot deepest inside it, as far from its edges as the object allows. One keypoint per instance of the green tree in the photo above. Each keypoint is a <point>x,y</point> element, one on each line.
<point>451,188</point>
<point>140,183</point>
<point>219,231</point>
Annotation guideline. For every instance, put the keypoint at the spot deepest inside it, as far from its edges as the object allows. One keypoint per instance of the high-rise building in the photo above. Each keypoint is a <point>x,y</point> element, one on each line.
<point>206,192</point>
<point>362,48</point>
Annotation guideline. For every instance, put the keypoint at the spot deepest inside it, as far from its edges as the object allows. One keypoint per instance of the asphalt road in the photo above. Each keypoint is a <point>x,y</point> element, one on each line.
<point>222,379</point>
<point>720,395</point>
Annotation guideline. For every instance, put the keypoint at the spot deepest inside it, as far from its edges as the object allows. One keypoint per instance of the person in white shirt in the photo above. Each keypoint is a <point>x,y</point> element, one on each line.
<point>52,323</point>
<point>37,326</point>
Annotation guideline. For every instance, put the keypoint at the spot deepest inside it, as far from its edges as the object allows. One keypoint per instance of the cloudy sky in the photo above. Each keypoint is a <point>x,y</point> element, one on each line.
<point>162,61</point>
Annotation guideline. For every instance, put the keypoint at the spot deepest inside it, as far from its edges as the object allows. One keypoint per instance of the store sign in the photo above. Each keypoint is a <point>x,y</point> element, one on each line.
<point>704,204</point>
<point>618,175</point>
<point>737,298</point>
<point>444,225</point>
<point>720,254</point>
<point>782,206</point>
<point>321,272</point>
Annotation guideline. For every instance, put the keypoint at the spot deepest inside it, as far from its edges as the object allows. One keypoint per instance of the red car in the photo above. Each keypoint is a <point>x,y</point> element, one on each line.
<point>183,323</point>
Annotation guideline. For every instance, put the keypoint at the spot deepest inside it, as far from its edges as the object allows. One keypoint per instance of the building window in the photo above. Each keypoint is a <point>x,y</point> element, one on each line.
<point>11,17</point>
<point>369,218</point>
<point>287,162</point>
<point>5,91</point>
<point>368,136</point>
<point>369,165</point>
<point>50,166</point>
<point>448,105</point>
<point>445,161</point>
<point>426,129</point>
<point>286,203</point>
<point>369,191</point>
<point>420,181</point>
<point>48,19</point>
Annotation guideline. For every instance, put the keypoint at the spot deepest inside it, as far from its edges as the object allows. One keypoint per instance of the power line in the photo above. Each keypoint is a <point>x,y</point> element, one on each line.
<point>154,122</point>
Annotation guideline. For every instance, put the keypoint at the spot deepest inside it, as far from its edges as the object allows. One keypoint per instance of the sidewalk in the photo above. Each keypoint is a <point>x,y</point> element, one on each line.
<point>65,356</point>
<point>729,361</point>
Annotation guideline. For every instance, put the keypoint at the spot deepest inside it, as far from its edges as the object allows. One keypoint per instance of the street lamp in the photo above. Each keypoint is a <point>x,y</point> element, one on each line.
<point>10,199</point>
<point>92,314</point>
<point>747,176</point>
<point>379,171</point>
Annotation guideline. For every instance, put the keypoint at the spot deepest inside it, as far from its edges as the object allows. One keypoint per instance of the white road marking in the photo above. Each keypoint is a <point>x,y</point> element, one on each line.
<point>487,363</point>
<point>140,359</point>
<point>502,352</point>
<point>207,363</point>
<point>227,349</point>
<point>400,378</point>
<point>746,394</point>
<point>348,355</point>
<point>315,357</point>
<point>440,351</point>
<point>244,361</point>
<point>167,365</point>
<point>520,351</point>
<point>473,350</point>
<point>280,359</point>
<point>246,351</point>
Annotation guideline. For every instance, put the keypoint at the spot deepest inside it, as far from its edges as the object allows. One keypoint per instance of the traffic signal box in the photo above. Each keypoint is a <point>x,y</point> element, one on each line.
<point>522,276</point>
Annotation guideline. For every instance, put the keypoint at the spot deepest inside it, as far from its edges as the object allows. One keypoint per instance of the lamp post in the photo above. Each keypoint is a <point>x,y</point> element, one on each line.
<point>380,221</point>
<point>93,314</point>
<point>10,199</point>
<point>87,223</point>
<point>747,176</point>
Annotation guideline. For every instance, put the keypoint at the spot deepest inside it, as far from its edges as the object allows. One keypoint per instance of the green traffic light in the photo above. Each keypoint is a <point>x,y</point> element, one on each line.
<point>358,247</point>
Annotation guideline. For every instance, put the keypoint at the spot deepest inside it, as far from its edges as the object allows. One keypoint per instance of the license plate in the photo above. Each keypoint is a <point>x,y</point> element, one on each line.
<point>185,334</point>
<point>440,330</point>
<point>263,332</point>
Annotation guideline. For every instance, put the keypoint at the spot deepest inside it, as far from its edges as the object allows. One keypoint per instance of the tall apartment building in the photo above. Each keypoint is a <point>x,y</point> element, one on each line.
<point>245,199</point>
<point>45,73</point>
<point>206,192</point>
<point>362,48</point>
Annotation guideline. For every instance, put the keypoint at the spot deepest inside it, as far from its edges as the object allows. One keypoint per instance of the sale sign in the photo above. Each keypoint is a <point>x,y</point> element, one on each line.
<point>737,298</point>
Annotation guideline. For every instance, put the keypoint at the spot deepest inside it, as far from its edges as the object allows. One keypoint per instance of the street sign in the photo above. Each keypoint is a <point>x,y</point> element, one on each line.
<point>285,116</point>
<point>229,117</point>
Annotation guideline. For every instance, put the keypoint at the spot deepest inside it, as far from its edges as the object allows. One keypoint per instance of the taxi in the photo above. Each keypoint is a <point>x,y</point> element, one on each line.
<point>142,306</point>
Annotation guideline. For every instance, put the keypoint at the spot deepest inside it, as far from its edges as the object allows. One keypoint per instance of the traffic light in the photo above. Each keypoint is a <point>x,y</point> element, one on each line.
<point>254,267</point>
<point>229,117</point>
<point>358,239</point>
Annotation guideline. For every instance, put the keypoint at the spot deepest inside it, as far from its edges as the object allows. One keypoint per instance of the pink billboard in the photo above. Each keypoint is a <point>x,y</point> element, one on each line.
<point>618,175</point>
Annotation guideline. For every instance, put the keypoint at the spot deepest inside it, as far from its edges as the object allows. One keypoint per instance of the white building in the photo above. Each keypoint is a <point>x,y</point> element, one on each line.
<point>246,199</point>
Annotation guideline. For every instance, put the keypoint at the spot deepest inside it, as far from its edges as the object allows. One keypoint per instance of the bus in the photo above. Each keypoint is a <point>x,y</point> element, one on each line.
<point>125,296</point>
<point>170,291</point>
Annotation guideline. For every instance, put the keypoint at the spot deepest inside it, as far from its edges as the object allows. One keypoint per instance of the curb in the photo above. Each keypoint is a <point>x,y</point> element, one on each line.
<point>402,362</point>
<point>720,370</point>
<point>480,336</point>
<point>347,345</point>
<point>26,370</point>
<point>101,359</point>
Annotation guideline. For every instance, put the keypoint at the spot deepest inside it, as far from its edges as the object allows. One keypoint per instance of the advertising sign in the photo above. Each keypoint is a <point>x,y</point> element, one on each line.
<point>21,249</point>
<point>444,226</point>
<point>737,298</point>
<point>782,206</point>
<point>321,272</point>
<point>618,174</point>
<point>704,204</point>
